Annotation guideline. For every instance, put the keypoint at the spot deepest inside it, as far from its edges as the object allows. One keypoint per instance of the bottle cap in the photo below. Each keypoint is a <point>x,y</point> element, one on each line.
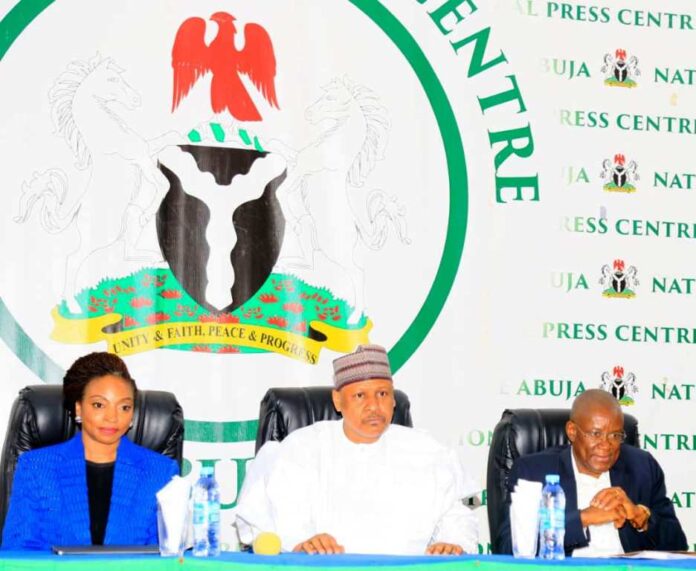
<point>552,478</point>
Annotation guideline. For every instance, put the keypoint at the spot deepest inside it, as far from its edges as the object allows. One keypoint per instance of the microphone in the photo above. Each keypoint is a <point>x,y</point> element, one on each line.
<point>266,543</point>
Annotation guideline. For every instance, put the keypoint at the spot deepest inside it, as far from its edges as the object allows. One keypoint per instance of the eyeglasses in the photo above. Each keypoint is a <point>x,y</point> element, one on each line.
<point>595,437</point>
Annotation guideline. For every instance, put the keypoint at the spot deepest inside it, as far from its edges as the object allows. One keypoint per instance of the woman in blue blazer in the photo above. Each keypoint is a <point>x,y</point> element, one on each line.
<point>98,487</point>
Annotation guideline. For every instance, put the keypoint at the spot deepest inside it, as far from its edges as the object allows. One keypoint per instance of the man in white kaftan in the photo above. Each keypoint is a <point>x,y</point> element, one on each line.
<point>361,484</point>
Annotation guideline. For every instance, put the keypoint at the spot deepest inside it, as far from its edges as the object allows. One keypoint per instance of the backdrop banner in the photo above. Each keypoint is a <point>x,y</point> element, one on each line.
<point>231,194</point>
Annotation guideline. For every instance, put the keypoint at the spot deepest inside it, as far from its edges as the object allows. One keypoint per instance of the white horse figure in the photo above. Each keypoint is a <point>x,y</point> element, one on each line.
<point>316,197</point>
<point>125,187</point>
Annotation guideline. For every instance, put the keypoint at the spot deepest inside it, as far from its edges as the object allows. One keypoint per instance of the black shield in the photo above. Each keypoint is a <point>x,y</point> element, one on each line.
<point>620,71</point>
<point>618,282</point>
<point>619,176</point>
<point>259,226</point>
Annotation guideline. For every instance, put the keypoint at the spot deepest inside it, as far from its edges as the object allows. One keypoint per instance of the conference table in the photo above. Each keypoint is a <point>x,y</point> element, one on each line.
<point>40,561</point>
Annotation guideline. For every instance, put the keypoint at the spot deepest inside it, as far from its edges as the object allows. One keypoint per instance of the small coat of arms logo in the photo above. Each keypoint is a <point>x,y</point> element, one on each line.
<point>620,384</point>
<point>619,69</point>
<point>618,281</point>
<point>618,175</point>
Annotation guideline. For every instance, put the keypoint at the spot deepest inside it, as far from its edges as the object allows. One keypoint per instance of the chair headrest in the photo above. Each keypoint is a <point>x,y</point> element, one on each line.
<point>286,409</point>
<point>525,430</point>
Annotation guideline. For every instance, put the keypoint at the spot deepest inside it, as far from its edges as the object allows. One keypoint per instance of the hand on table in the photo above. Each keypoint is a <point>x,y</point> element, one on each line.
<point>322,543</point>
<point>444,549</point>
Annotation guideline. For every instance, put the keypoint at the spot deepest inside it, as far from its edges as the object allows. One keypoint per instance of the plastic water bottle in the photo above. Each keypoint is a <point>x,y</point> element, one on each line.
<point>213,515</point>
<point>552,519</point>
<point>206,514</point>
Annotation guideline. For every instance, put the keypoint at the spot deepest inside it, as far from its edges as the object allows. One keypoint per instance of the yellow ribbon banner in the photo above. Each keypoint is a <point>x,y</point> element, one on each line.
<point>233,334</point>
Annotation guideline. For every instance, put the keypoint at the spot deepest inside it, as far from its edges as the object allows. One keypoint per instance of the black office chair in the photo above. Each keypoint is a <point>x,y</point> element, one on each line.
<point>285,410</point>
<point>520,432</point>
<point>38,419</point>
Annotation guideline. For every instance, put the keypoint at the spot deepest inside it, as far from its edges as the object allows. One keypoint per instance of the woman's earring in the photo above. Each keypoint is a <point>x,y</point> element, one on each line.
<point>78,419</point>
<point>130,425</point>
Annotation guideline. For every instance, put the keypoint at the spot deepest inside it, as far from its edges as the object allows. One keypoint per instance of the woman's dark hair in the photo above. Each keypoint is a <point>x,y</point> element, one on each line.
<point>89,367</point>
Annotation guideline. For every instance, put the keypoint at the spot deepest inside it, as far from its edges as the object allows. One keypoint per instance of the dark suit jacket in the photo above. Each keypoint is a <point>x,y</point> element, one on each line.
<point>636,471</point>
<point>49,503</point>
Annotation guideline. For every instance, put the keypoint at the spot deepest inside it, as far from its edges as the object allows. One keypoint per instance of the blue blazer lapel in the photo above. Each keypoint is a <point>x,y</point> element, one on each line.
<point>127,474</point>
<point>72,478</point>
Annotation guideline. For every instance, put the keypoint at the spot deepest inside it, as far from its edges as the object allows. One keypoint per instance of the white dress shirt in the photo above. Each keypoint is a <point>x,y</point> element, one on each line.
<point>604,538</point>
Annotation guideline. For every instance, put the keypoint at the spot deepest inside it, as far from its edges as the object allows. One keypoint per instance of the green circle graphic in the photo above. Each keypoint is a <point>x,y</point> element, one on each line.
<point>25,11</point>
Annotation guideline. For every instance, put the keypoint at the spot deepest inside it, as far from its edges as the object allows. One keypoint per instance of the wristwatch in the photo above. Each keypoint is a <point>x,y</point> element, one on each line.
<point>648,513</point>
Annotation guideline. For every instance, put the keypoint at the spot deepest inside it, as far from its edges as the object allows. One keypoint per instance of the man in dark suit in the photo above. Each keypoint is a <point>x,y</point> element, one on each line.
<point>616,498</point>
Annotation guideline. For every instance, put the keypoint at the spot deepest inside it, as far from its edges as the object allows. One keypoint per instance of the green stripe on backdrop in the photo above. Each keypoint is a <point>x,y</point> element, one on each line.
<point>26,350</point>
<point>204,431</point>
<point>17,19</point>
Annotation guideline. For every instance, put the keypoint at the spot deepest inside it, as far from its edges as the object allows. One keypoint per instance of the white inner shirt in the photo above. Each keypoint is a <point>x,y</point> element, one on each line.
<point>604,538</point>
